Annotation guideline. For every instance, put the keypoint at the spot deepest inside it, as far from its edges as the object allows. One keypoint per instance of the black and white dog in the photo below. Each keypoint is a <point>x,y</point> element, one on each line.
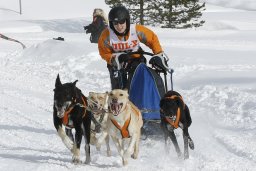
<point>175,113</point>
<point>70,110</point>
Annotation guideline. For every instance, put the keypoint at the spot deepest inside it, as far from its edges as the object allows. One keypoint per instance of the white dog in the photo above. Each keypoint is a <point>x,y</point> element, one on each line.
<point>124,123</point>
<point>97,102</point>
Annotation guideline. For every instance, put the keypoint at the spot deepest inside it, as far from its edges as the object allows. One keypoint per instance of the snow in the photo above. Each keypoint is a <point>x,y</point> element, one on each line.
<point>215,71</point>
<point>237,4</point>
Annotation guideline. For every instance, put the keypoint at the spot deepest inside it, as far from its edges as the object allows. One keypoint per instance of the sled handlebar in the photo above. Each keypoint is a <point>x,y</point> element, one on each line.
<point>159,64</point>
<point>164,59</point>
<point>150,54</point>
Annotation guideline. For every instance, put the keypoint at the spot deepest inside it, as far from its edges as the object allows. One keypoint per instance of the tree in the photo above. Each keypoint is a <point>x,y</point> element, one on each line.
<point>165,13</point>
<point>138,8</point>
<point>178,13</point>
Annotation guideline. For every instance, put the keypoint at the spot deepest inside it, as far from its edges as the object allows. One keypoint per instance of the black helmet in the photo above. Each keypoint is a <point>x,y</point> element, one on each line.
<point>119,13</point>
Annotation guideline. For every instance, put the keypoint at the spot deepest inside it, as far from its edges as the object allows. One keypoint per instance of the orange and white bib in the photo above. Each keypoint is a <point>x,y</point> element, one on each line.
<point>130,45</point>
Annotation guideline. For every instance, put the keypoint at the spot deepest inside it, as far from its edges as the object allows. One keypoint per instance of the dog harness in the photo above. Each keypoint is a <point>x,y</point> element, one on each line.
<point>66,119</point>
<point>175,123</point>
<point>102,111</point>
<point>124,130</point>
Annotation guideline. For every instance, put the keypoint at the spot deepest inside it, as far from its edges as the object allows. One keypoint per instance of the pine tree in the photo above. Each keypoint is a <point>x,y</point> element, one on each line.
<point>164,13</point>
<point>178,13</point>
<point>113,3</point>
<point>138,9</point>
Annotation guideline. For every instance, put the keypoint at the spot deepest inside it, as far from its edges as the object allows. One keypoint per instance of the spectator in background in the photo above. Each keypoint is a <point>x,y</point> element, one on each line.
<point>99,23</point>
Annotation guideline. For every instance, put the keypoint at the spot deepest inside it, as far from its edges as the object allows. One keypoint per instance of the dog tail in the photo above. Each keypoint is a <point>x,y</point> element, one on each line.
<point>187,115</point>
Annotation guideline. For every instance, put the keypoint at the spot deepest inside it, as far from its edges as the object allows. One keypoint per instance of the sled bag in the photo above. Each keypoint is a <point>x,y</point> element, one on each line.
<point>146,90</point>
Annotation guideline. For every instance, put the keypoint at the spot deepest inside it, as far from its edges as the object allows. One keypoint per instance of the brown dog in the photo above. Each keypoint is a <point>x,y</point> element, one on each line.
<point>174,114</point>
<point>97,102</point>
<point>124,123</point>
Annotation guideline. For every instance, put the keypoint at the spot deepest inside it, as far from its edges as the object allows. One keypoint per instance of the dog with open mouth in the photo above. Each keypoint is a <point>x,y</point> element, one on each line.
<point>123,125</point>
<point>98,105</point>
<point>175,114</point>
<point>70,110</point>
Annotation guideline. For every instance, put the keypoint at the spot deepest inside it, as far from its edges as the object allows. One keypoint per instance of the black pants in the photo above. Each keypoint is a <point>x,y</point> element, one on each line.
<point>121,79</point>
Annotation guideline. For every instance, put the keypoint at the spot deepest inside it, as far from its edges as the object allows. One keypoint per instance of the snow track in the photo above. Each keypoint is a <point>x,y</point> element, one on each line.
<point>215,72</point>
<point>223,120</point>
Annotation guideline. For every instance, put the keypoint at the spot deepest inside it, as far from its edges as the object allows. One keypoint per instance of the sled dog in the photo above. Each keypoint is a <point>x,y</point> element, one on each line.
<point>124,124</point>
<point>70,110</point>
<point>175,113</point>
<point>98,105</point>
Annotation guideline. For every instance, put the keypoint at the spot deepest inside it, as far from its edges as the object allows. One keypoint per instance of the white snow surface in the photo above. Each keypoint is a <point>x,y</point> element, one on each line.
<point>215,71</point>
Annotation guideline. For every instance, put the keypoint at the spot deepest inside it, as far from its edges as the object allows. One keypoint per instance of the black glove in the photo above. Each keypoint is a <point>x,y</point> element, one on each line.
<point>87,29</point>
<point>123,57</point>
<point>159,62</point>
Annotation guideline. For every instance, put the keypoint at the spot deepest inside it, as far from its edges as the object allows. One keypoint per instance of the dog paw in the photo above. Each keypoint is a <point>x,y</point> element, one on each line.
<point>191,144</point>
<point>87,161</point>
<point>186,155</point>
<point>134,156</point>
<point>125,161</point>
<point>76,159</point>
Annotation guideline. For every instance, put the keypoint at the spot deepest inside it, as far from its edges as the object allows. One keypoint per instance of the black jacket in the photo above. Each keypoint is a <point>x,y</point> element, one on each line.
<point>95,28</point>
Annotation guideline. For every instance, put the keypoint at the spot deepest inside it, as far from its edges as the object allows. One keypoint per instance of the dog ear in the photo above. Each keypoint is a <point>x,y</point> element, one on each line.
<point>77,91</point>
<point>74,83</point>
<point>58,82</point>
<point>126,90</point>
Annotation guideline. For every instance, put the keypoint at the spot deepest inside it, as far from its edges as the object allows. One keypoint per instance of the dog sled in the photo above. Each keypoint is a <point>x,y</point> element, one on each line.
<point>146,89</point>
